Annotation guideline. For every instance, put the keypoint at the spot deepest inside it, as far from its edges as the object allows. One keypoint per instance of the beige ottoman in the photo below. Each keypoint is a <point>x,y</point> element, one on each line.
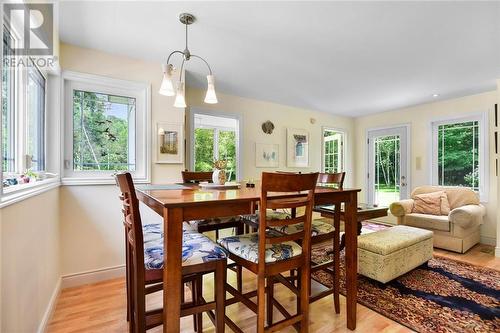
<point>385,255</point>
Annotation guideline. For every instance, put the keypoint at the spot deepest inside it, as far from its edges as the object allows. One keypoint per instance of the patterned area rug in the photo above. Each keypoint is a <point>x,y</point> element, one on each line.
<point>444,296</point>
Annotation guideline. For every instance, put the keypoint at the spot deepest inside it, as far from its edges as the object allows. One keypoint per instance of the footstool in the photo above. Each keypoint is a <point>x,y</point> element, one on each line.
<point>387,254</point>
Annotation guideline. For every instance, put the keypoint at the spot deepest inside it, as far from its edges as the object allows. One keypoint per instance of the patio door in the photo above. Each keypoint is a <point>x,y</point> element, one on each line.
<point>387,165</point>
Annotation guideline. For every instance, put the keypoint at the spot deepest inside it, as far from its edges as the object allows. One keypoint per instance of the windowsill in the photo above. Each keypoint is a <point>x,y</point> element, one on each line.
<point>22,192</point>
<point>96,181</point>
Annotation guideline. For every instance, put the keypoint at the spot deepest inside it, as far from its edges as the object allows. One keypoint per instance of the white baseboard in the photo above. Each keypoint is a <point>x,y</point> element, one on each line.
<point>497,251</point>
<point>79,279</point>
<point>50,308</point>
<point>488,240</point>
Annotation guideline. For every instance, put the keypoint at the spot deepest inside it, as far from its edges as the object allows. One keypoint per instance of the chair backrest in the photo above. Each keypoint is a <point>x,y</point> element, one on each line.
<point>132,222</point>
<point>286,183</point>
<point>196,176</point>
<point>332,178</point>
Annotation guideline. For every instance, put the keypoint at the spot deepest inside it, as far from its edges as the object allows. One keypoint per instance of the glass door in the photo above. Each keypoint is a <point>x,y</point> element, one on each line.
<point>387,165</point>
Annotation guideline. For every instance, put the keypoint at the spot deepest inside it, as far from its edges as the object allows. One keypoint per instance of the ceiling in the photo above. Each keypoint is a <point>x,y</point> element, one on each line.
<point>346,58</point>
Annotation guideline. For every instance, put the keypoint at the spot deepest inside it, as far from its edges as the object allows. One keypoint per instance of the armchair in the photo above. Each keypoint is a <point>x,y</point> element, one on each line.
<point>459,230</point>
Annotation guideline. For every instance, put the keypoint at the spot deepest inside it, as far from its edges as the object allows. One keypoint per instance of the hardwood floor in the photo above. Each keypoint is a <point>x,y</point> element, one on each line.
<point>100,307</point>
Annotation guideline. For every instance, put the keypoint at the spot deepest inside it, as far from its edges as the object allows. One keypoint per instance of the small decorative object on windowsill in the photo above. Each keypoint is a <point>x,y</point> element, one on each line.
<point>219,175</point>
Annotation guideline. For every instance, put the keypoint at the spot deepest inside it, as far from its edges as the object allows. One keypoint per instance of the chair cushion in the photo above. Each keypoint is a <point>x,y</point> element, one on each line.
<point>196,249</point>
<point>194,224</point>
<point>435,222</point>
<point>154,231</point>
<point>253,219</point>
<point>318,227</point>
<point>247,247</point>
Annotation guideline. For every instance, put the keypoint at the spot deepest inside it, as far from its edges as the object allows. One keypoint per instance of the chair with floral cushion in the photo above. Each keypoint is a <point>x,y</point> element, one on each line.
<point>269,253</point>
<point>145,264</point>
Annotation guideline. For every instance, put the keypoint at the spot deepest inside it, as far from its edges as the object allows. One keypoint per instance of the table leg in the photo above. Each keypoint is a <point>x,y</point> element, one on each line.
<point>172,269</point>
<point>351,259</point>
<point>336,258</point>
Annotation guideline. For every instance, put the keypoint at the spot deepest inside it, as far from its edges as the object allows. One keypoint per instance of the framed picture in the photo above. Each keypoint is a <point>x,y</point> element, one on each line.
<point>169,143</point>
<point>266,155</point>
<point>297,148</point>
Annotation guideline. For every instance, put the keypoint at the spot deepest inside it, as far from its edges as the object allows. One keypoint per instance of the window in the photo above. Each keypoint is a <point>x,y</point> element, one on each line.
<point>459,157</point>
<point>8,104</point>
<point>333,150</point>
<point>23,121</point>
<point>216,137</point>
<point>107,129</point>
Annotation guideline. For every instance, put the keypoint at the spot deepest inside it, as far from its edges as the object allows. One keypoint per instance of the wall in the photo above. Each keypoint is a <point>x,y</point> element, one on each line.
<point>420,118</point>
<point>254,112</point>
<point>29,248</point>
<point>497,249</point>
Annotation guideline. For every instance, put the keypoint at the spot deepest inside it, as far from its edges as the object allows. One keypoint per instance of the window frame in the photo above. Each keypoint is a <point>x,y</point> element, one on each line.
<point>344,146</point>
<point>239,137</point>
<point>482,119</point>
<point>105,85</point>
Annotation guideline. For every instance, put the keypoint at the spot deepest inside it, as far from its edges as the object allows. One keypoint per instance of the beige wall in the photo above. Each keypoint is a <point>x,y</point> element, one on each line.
<point>254,112</point>
<point>30,267</point>
<point>420,118</point>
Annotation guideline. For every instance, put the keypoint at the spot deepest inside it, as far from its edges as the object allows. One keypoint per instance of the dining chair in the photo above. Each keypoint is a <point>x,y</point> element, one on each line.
<point>269,253</point>
<point>145,267</point>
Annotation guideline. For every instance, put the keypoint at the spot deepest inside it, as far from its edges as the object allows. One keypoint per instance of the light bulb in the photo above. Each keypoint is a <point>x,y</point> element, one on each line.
<point>167,87</point>
<point>211,97</point>
<point>180,101</point>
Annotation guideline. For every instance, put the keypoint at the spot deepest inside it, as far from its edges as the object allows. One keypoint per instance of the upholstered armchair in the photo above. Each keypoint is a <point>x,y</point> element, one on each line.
<point>456,231</point>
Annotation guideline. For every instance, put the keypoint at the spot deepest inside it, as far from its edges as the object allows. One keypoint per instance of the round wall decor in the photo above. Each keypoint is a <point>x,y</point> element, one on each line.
<point>268,127</point>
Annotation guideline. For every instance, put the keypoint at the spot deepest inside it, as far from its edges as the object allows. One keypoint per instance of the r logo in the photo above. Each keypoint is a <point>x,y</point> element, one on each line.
<point>33,25</point>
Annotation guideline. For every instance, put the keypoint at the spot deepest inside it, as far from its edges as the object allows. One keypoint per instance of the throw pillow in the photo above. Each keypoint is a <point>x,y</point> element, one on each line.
<point>445,204</point>
<point>428,203</point>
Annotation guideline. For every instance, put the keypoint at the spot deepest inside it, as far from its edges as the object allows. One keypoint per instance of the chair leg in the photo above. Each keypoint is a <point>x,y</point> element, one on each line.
<point>261,303</point>
<point>127,278</point>
<point>270,298</point>
<point>299,285</point>
<point>304,298</point>
<point>336,271</point>
<point>239,278</point>
<point>194,298</point>
<point>220,295</point>
<point>198,286</point>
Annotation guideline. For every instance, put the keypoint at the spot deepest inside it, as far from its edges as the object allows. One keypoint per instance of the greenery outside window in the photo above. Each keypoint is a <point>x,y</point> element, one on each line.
<point>460,153</point>
<point>333,150</point>
<point>216,137</point>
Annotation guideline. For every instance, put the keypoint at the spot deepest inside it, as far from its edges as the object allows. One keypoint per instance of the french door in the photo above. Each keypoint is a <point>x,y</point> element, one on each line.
<point>387,165</point>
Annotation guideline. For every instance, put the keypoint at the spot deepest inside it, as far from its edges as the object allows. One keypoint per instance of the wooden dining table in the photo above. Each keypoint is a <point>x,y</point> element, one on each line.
<point>178,203</point>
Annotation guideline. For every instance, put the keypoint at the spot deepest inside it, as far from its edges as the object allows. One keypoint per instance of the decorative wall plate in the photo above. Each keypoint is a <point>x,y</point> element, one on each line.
<point>268,127</point>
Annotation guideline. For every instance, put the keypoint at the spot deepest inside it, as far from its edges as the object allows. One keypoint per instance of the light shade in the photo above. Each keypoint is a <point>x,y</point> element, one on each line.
<point>167,87</point>
<point>180,101</point>
<point>211,97</point>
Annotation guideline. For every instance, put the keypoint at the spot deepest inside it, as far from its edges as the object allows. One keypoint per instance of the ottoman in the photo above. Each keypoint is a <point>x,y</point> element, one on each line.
<point>384,255</point>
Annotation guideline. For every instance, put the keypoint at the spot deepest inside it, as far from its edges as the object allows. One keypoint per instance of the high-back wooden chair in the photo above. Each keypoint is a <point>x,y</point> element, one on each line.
<point>332,178</point>
<point>145,266</point>
<point>268,253</point>
<point>196,176</point>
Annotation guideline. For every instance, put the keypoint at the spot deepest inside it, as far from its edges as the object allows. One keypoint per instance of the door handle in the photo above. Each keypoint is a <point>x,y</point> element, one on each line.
<point>403,181</point>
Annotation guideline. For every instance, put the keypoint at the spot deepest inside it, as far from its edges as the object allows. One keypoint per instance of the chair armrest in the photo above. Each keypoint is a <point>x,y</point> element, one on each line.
<point>401,208</point>
<point>467,216</point>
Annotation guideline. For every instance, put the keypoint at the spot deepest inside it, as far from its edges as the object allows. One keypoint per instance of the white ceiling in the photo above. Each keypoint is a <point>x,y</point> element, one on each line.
<point>347,58</point>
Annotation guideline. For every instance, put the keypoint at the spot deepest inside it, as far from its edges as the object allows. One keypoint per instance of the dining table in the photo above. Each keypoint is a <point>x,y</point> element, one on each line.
<point>184,202</point>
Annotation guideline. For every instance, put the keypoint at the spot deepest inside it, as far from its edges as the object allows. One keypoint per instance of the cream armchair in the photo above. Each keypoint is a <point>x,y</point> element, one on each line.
<point>459,230</point>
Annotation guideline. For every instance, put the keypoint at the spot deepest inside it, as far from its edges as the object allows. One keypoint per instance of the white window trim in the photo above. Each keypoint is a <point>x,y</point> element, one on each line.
<point>344,148</point>
<point>143,130</point>
<point>239,137</point>
<point>484,152</point>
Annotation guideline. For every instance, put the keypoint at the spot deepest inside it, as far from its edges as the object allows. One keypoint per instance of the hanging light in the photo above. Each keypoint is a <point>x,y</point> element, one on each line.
<point>167,87</point>
<point>211,97</point>
<point>180,100</point>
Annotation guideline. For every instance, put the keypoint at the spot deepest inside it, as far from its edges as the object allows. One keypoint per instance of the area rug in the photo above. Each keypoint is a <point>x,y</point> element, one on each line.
<point>444,296</point>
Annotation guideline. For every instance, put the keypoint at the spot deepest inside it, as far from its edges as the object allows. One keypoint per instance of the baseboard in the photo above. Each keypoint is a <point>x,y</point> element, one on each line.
<point>50,308</point>
<point>79,279</point>
<point>497,251</point>
<point>488,240</point>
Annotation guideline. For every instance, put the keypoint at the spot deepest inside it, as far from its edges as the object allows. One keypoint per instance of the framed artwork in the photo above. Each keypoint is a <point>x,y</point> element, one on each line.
<point>169,143</point>
<point>266,155</point>
<point>297,148</point>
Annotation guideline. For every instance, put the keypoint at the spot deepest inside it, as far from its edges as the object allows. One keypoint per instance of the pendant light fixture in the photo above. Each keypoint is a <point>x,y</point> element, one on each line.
<point>167,84</point>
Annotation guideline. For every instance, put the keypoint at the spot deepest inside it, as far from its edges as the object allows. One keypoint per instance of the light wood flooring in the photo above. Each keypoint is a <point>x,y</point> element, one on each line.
<point>101,307</point>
